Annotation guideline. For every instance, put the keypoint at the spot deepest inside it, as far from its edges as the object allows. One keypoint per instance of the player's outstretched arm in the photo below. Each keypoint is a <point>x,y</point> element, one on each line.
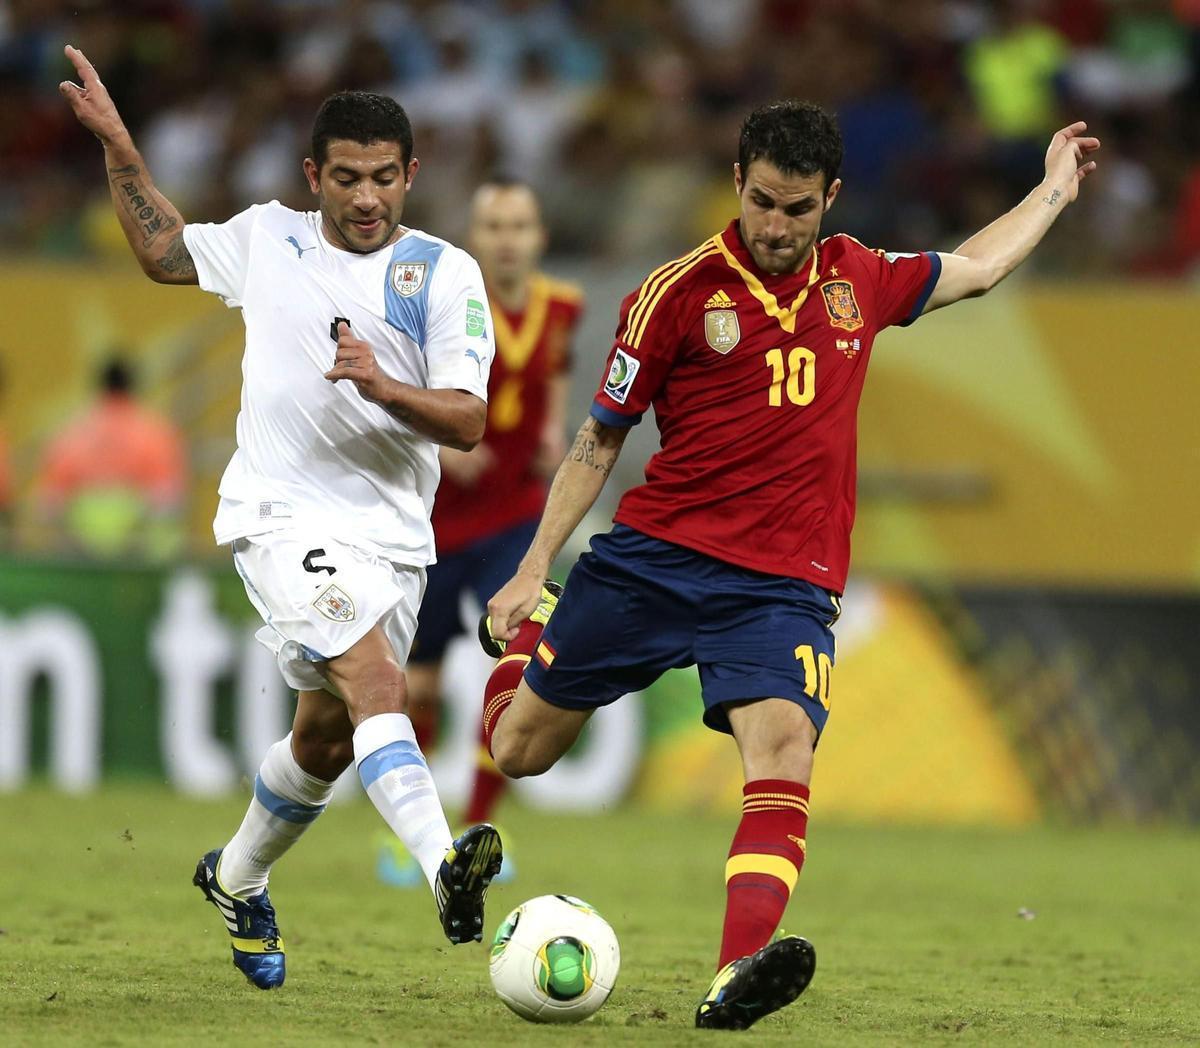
<point>152,224</point>
<point>575,488</point>
<point>981,262</point>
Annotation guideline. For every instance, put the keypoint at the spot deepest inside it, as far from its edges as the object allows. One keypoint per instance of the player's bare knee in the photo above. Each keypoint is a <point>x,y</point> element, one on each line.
<point>320,755</point>
<point>516,755</point>
<point>375,689</point>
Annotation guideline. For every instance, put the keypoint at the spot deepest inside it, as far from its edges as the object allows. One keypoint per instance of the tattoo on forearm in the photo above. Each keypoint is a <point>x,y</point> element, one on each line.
<point>1052,199</point>
<point>586,451</point>
<point>151,220</point>
<point>177,259</point>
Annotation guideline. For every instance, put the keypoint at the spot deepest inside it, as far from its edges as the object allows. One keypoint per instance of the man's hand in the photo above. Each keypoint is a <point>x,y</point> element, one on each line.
<point>1067,162</point>
<point>91,103</point>
<point>355,361</point>
<point>466,467</point>
<point>514,603</point>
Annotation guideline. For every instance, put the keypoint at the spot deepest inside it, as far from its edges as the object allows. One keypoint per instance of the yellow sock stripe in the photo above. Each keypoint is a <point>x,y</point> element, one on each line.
<point>772,865</point>
<point>650,285</point>
<point>496,701</point>
<point>774,806</point>
<point>644,322</point>
<point>512,658</point>
<point>545,654</point>
<point>257,945</point>
<point>774,796</point>
<point>484,760</point>
<point>759,797</point>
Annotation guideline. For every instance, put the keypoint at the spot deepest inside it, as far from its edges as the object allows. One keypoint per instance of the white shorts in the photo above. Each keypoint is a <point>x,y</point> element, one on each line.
<point>319,597</point>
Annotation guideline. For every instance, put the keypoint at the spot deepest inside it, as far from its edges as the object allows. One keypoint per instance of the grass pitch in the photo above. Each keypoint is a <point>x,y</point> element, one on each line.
<point>106,942</point>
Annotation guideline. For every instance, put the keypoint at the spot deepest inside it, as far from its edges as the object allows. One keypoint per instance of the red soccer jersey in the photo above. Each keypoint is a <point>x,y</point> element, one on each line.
<point>532,347</point>
<point>755,381</point>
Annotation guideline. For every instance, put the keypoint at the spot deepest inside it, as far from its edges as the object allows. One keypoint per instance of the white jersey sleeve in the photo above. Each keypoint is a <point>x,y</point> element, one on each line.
<point>459,343</point>
<point>221,252</point>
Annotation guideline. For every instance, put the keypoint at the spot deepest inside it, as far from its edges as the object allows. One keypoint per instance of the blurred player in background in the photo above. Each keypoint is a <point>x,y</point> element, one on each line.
<point>490,498</point>
<point>112,482</point>
<point>752,350</point>
<point>367,344</point>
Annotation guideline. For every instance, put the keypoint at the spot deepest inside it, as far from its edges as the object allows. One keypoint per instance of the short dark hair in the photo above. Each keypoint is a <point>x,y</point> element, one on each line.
<point>799,138</point>
<point>116,375</point>
<point>363,117</point>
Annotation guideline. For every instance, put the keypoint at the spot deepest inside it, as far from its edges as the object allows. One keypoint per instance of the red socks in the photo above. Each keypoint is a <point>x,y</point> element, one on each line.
<point>764,863</point>
<point>487,789</point>
<point>502,684</point>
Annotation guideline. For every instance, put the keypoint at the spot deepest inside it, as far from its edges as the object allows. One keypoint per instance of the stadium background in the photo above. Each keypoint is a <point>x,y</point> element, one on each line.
<point>1020,636</point>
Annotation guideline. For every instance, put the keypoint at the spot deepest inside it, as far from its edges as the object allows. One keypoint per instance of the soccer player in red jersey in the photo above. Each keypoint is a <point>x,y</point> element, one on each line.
<point>490,498</point>
<point>752,350</point>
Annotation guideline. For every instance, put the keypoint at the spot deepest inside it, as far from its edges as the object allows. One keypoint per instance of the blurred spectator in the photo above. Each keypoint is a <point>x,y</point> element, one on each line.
<point>6,481</point>
<point>945,104</point>
<point>112,483</point>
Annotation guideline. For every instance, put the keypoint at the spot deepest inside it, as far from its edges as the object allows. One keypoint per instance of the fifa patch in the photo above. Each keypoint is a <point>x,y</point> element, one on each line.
<point>408,277</point>
<point>891,256</point>
<point>335,603</point>
<point>841,305</point>
<point>621,375</point>
<point>721,330</point>
<point>476,324</point>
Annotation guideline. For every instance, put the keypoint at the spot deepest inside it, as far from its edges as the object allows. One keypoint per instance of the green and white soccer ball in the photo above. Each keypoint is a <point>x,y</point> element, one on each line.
<point>554,960</point>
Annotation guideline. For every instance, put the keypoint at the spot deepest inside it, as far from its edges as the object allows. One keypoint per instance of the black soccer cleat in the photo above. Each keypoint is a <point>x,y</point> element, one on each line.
<point>750,987</point>
<point>551,591</point>
<point>462,882</point>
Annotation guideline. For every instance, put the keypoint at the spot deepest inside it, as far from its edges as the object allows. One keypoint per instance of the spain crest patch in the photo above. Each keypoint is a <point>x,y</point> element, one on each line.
<point>721,330</point>
<point>841,305</point>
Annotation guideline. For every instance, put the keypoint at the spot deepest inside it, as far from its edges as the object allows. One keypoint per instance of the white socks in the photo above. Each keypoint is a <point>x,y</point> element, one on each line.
<point>396,778</point>
<point>286,800</point>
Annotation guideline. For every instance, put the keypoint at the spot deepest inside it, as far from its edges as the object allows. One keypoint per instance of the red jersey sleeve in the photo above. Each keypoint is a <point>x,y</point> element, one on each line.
<point>647,343</point>
<point>562,347</point>
<point>903,284</point>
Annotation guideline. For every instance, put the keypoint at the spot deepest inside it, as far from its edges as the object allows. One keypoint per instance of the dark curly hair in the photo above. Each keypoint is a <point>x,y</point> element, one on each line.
<point>363,117</point>
<point>799,138</point>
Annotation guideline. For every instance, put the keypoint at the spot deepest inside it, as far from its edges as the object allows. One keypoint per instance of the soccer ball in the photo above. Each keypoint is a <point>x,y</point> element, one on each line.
<point>554,960</point>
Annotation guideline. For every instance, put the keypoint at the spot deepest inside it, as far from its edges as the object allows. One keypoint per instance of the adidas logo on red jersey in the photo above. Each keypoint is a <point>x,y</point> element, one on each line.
<point>719,301</point>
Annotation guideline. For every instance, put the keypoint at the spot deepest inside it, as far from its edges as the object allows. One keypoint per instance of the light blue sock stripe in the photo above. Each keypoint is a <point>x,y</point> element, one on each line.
<point>281,808</point>
<point>394,755</point>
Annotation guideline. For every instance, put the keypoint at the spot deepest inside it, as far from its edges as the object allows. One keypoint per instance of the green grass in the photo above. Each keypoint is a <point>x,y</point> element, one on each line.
<point>106,942</point>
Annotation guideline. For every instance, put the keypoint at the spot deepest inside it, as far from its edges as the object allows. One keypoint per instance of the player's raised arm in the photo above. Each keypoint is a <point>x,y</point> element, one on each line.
<point>152,225</point>
<point>981,262</point>
<point>575,488</point>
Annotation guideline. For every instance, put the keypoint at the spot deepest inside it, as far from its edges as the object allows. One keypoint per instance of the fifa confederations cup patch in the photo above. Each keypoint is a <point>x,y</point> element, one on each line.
<point>621,375</point>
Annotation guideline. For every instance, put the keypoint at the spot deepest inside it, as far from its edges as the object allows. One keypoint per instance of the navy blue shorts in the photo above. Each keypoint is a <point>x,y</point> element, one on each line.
<point>481,568</point>
<point>635,607</point>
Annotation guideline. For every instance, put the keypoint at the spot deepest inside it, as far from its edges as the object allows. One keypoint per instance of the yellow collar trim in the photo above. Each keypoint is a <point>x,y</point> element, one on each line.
<point>786,317</point>
<point>516,347</point>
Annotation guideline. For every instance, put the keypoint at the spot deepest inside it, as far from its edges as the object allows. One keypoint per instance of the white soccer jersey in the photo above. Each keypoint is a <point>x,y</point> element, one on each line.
<point>311,452</point>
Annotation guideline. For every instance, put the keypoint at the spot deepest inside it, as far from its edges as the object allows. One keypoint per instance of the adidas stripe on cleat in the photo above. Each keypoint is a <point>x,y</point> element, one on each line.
<point>551,591</point>
<point>462,882</point>
<point>751,987</point>
<point>257,947</point>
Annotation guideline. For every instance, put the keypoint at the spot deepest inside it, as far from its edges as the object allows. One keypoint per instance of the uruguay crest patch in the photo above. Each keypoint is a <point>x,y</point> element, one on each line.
<point>408,277</point>
<point>335,603</point>
<point>841,305</point>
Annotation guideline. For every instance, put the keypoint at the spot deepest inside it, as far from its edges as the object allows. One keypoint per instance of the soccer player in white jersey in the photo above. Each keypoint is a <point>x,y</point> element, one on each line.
<point>367,344</point>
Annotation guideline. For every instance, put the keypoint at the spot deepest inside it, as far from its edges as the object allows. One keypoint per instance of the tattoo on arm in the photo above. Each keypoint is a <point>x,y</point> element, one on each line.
<point>150,219</point>
<point>1052,199</point>
<point>588,451</point>
<point>177,260</point>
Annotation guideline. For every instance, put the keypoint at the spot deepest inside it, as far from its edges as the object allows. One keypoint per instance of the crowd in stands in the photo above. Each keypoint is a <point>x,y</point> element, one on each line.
<point>624,114</point>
